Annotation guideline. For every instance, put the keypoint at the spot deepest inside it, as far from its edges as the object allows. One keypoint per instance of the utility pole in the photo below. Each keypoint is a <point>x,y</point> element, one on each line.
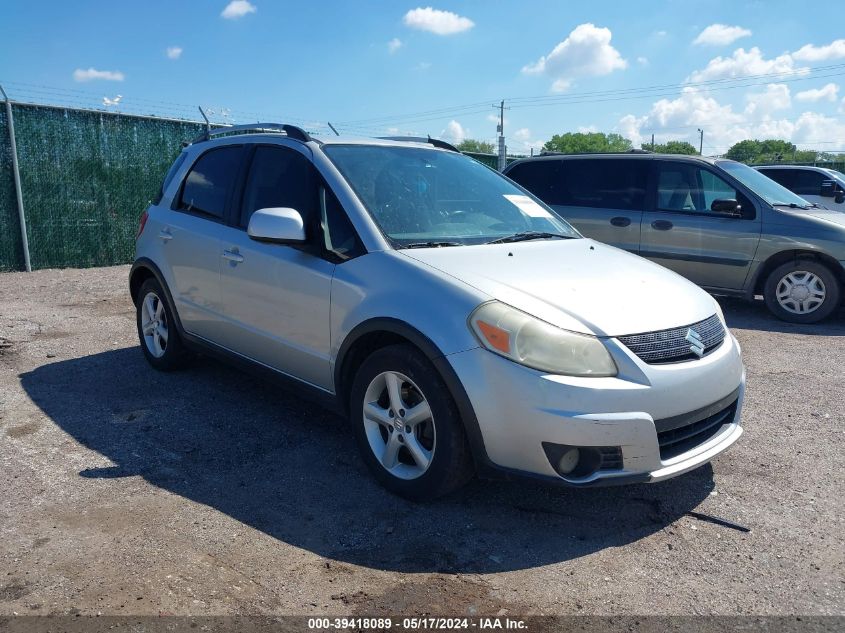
<point>503,150</point>
<point>652,141</point>
<point>700,142</point>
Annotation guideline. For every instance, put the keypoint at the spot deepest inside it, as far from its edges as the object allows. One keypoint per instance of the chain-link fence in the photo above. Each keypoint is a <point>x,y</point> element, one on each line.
<point>86,176</point>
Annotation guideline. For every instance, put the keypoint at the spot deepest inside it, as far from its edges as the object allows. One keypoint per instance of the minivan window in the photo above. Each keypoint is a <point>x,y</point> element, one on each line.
<point>210,180</point>
<point>688,187</point>
<point>597,183</point>
<point>762,185</point>
<point>808,182</point>
<point>279,177</point>
<point>418,195</point>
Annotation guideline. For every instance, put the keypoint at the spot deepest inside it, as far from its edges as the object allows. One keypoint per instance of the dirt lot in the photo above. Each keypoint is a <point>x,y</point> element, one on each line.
<point>126,491</point>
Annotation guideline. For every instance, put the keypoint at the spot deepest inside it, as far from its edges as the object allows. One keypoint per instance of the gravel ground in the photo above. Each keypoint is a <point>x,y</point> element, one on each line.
<point>127,491</point>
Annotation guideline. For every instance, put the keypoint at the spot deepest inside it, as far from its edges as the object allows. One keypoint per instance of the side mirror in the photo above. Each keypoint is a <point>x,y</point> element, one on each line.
<point>840,197</point>
<point>280,224</point>
<point>728,206</point>
<point>828,189</point>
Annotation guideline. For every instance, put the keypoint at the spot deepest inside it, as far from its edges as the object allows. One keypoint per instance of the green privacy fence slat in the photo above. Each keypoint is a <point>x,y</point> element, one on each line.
<point>86,177</point>
<point>11,251</point>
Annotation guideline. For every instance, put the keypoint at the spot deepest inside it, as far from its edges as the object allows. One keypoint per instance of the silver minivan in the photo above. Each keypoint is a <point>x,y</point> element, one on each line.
<point>460,324</point>
<point>817,185</point>
<point>719,223</point>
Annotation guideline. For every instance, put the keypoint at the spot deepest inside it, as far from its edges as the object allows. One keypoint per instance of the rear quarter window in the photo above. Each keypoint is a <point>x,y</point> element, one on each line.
<point>207,186</point>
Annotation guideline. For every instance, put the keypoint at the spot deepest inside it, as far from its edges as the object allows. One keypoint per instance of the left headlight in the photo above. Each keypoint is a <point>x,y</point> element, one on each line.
<point>529,341</point>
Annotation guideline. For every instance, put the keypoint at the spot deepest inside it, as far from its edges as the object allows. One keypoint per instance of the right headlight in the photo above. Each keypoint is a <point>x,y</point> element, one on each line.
<point>529,341</point>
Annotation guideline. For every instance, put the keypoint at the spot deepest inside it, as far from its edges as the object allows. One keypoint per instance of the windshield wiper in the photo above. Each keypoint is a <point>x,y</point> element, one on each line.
<point>791,205</point>
<point>528,235</point>
<point>431,244</point>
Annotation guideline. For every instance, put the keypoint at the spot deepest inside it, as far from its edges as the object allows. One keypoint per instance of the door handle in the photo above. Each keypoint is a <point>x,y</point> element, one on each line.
<point>166,235</point>
<point>662,225</point>
<point>620,221</point>
<point>233,256</point>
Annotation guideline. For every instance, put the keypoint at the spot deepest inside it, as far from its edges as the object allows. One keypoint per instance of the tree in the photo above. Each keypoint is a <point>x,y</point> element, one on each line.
<point>672,147</point>
<point>589,143</point>
<point>479,147</point>
<point>768,151</point>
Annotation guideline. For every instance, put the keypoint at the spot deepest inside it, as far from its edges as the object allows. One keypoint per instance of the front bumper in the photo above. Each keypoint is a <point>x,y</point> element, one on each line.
<point>518,409</point>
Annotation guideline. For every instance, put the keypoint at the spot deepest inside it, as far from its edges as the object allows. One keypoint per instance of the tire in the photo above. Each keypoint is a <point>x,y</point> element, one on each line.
<point>436,433</point>
<point>788,284</point>
<point>162,346</point>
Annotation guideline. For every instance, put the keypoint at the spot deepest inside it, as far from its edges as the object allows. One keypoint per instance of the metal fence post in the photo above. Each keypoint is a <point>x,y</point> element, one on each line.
<point>17,174</point>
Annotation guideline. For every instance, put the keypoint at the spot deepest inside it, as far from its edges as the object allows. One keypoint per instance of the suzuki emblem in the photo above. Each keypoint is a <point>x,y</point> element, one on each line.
<point>696,344</point>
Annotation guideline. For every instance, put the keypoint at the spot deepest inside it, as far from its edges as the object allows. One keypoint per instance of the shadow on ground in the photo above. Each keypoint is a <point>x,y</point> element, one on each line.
<point>282,465</point>
<point>753,315</point>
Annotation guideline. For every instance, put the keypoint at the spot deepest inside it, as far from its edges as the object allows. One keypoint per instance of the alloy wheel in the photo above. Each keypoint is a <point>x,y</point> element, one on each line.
<point>399,425</point>
<point>154,324</point>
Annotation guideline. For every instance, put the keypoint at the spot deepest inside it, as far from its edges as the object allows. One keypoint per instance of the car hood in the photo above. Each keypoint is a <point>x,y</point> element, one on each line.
<point>577,284</point>
<point>837,217</point>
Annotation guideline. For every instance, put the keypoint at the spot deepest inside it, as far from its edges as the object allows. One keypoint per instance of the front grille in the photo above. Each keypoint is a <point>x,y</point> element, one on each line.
<point>682,433</point>
<point>671,346</point>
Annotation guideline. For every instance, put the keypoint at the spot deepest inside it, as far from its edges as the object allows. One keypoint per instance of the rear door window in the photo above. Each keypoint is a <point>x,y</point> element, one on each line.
<point>784,177</point>
<point>604,183</point>
<point>808,182</point>
<point>208,185</point>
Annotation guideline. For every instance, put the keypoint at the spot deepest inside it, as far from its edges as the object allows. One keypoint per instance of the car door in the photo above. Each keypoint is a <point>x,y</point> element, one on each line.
<point>681,232</point>
<point>276,297</point>
<point>190,239</point>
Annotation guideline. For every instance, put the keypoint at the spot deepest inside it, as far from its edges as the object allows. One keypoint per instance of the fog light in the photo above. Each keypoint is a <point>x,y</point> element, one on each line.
<point>568,461</point>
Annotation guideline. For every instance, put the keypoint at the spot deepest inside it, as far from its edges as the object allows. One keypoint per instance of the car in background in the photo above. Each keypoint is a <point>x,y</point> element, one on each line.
<point>457,321</point>
<point>719,223</point>
<point>819,185</point>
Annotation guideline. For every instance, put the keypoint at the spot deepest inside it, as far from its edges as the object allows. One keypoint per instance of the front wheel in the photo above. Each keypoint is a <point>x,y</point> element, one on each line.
<point>802,291</point>
<point>407,426</point>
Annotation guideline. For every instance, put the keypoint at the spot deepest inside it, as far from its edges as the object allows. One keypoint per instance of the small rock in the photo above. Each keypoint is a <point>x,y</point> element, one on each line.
<point>51,355</point>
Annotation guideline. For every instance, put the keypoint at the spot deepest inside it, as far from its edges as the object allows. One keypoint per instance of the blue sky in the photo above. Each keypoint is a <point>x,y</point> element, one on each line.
<point>740,69</point>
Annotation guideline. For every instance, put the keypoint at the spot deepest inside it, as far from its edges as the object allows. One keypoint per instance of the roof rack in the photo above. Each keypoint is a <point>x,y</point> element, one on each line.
<point>291,131</point>
<point>423,139</point>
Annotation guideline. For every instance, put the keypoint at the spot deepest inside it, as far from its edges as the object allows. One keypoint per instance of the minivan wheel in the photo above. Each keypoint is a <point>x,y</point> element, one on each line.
<point>802,291</point>
<point>407,426</point>
<point>157,332</point>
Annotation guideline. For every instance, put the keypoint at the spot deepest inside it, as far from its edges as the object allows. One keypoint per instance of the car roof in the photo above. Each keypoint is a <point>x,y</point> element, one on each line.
<point>616,155</point>
<point>813,167</point>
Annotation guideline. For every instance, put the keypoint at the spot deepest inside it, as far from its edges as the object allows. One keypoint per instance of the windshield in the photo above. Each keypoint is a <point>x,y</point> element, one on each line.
<point>419,196</point>
<point>762,185</point>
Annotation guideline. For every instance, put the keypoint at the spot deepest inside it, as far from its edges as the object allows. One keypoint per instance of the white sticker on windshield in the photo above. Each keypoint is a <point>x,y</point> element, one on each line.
<point>528,206</point>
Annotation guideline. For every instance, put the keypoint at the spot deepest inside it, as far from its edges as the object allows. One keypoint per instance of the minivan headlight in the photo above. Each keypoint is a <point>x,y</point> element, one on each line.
<point>529,341</point>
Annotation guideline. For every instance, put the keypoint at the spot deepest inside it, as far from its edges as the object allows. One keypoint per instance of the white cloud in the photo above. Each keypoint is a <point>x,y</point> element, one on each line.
<point>174,52</point>
<point>92,74</point>
<point>454,133</point>
<point>842,106</point>
<point>661,34</point>
<point>829,92</point>
<point>423,66</point>
<point>394,45</point>
<point>522,134</point>
<point>720,35</point>
<point>586,51</point>
<point>743,64</point>
<point>238,9</point>
<point>680,118</point>
<point>774,97</point>
<point>810,53</point>
<point>436,21</point>
<point>642,61</point>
